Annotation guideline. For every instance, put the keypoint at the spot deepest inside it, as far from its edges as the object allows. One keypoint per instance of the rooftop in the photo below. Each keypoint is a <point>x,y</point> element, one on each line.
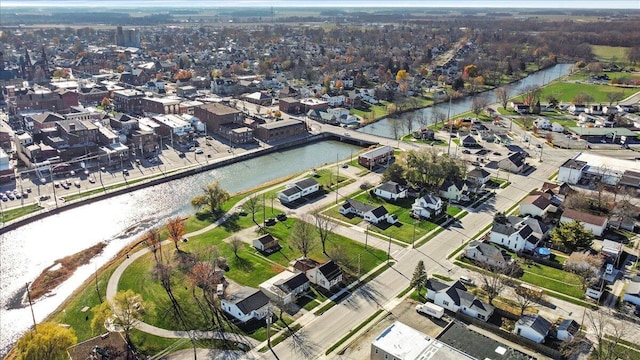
<point>479,346</point>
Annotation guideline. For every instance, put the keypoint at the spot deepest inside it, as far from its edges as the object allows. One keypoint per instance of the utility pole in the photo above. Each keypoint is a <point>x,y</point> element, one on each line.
<point>366,236</point>
<point>450,127</point>
<point>389,251</point>
<point>337,175</point>
<point>414,234</point>
<point>31,307</point>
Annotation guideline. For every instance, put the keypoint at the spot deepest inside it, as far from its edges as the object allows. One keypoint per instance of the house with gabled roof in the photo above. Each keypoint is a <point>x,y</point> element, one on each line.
<point>516,237</point>
<point>298,189</point>
<point>567,329</point>
<point>533,327</point>
<point>371,213</point>
<point>537,205</point>
<point>391,190</point>
<point>246,304</point>
<point>285,287</point>
<point>427,206</point>
<point>455,191</point>
<point>479,177</point>
<point>487,254</point>
<point>266,243</point>
<point>514,163</point>
<point>327,275</point>
<point>597,224</point>
<point>456,298</point>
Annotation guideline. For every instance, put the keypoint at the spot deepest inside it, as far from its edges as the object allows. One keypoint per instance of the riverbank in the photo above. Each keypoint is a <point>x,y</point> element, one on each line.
<point>136,183</point>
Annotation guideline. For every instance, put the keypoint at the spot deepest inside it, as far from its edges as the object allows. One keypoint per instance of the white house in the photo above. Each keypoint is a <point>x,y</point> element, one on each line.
<point>266,243</point>
<point>246,304</point>
<point>454,191</point>
<point>456,298</point>
<point>571,171</point>
<point>299,189</point>
<point>567,329</point>
<point>556,127</point>
<point>516,237</point>
<point>327,275</point>
<point>370,213</point>
<point>427,206</point>
<point>632,292</point>
<point>533,327</point>
<point>479,177</point>
<point>285,287</point>
<point>391,190</point>
<point>537,205</point>
<point>487,254</point>
<point>597,224</point>
<point>575,109</point>
<point>543,123</point>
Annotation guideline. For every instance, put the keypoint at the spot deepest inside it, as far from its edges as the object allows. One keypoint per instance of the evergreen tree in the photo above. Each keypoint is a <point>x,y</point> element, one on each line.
<point>419,279</point>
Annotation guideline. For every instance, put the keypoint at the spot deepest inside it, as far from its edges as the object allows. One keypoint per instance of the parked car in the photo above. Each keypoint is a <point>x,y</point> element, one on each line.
<point>466,152</point>
<point>181,155</point>
<point>497,153</point>
<point>199,151</point>
<point>281,217</point>
<point>466,280</point>
<point>270,222</point>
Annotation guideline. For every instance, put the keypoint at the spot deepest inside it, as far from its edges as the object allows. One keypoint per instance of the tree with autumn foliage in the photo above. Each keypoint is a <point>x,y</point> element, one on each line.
<point>470,71</point>
<point>47,341</point>
<point>183,75</point>
<point>402,75</point>
<point>175,230</point>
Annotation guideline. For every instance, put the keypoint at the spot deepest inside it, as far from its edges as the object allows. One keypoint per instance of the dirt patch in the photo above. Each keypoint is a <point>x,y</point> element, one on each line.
<point>61,270</point>
<point>405,312</point>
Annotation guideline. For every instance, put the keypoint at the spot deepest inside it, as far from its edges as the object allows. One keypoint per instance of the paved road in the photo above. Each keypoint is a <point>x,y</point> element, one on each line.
<point>321,332</point>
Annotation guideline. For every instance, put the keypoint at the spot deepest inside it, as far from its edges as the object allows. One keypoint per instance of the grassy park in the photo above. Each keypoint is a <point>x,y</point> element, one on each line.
<point>565,92</point>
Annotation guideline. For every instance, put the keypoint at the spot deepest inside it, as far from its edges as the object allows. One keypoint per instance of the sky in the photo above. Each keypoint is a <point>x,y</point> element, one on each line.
<point>498,4</point>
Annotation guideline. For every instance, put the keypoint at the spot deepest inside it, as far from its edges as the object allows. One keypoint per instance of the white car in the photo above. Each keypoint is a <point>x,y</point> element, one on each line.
<point>92,180</point>
<point>199,151</point>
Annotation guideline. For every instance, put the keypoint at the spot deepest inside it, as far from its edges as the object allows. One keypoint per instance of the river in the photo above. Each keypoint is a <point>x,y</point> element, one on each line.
<point>384,128</point>
<point>28,250</point>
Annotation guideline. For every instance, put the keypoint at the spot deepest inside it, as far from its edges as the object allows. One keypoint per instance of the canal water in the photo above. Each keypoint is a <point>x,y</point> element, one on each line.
<point>28,250</point>
<point>384,128</point>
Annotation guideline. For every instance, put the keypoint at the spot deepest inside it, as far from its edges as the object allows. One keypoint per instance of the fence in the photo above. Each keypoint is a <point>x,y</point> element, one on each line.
<point>553,264</point>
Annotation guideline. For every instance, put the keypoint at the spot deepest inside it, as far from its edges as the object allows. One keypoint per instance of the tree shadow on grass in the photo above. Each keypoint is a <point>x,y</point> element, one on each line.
<point>243,264</point>
<point>232,225</point>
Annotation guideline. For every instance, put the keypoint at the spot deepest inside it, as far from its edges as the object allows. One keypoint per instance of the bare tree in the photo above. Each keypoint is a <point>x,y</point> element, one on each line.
<point>527,297</point>
<point>496,278</point>
<point>608,333</point>
<point>503,95</point>
<point>410,120</point>
<point>236,245</point>
<point>254,204</point>
<point>152,240</point>
<point>396,128</point>
<point>324,227</point>
<point>585,266</point>
<point>478,104</point>
<point>302,236</point>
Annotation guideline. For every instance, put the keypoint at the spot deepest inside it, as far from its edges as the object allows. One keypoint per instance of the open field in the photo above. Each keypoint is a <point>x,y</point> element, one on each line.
<point>565,92</point>
<point>608,53</point>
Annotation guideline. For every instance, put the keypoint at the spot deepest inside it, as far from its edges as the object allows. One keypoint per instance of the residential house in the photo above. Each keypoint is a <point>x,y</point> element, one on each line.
<point>297,190</point>
<point>378,156</point>
<point>533,327</point>
<point>266,243</point>
<point>391,190</point>
<point>556,127</point>
<point>259,98</point>
<point>597,224</point>
<point>455,191</point>
<point>487,254</point>
<point>537,205</point>
<point>632,292</point>
<point>571,171</point>
<point>246,304</point>
<point>425,133</point>
<point>514,163</point>
<point>327,275</point>
<point>286,287</point>
<point>470,142</point>
<point>479,177</point>
<point>456,298</point>
<point>371,213</point>
<point>567,329</point>
<point>516,237</point>
<point>427,206</point>
<point>575,109</point>
<point>543,123</point>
